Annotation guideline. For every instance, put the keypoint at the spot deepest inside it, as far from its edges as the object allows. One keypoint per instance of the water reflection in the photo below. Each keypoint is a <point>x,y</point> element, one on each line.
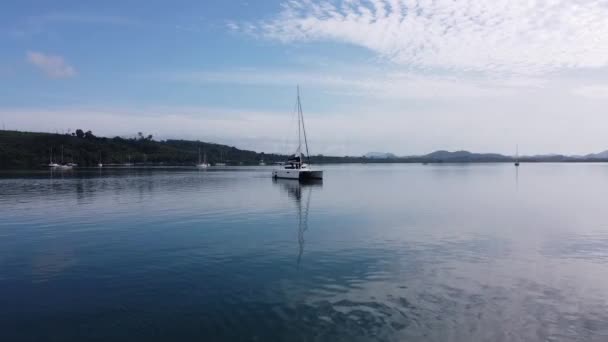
<point>436,253</point>
<point>295,190</point>
<point>517,179</point>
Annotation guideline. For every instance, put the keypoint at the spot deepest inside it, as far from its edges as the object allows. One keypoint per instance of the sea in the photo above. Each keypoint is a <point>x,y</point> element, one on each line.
<point>374,252</point>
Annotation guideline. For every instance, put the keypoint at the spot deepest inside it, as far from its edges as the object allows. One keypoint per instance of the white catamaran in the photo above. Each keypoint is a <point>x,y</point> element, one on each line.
<point>296,166</point>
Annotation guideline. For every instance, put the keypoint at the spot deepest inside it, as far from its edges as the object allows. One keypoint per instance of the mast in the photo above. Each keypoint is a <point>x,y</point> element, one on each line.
<point>61,154</point>
<point>51,157</point>
<point>299,123</point>
<point>301,118</point>
<point>199,155</point>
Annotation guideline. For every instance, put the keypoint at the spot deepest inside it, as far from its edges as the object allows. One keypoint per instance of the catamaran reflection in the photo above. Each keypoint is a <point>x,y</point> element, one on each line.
<point>295,190</point>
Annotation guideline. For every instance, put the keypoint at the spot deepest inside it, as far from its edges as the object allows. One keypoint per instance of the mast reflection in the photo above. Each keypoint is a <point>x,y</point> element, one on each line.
<point>296,192</point>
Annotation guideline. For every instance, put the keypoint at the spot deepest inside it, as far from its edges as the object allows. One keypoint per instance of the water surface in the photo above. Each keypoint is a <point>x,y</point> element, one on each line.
<point>374,253</point>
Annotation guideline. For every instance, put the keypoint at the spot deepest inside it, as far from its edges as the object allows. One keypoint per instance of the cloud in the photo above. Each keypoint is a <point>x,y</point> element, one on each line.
<point>518,36</point>
<point>53,66</point>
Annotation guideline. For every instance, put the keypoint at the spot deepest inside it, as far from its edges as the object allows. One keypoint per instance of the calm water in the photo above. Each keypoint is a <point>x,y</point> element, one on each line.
<point>376,252</point>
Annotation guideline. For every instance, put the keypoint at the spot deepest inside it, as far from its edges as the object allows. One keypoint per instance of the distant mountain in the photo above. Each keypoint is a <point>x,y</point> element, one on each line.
<point>601,155</point>
<point>463,157</point>
<point>380,155</point>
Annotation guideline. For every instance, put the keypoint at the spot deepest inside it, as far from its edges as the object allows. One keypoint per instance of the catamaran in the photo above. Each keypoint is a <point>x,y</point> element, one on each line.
<point>203,164</point>
<point>298,166</point>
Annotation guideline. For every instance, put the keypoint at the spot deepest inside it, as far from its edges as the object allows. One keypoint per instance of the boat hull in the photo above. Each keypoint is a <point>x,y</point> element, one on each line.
<point>298,174</point>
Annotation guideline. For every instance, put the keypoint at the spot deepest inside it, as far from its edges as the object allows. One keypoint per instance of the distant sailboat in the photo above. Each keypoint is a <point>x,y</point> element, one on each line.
<point>296,167</point>
<point>51,163</point>
<point>128,163</point>
<point>516,155</point>
<point>99,164</point>
<point>202,164</point>
<point>64,165</point>
<point>222,160</point>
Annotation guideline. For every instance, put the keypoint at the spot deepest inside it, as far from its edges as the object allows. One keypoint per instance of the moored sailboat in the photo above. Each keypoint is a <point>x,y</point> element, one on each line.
<point>298,165</point>
<point>64,165</point>
<point>202,164</point>
<point>52,164</point>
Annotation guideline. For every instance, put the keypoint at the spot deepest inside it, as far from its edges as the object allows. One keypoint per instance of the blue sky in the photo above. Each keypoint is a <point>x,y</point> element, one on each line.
<point>401,76</point>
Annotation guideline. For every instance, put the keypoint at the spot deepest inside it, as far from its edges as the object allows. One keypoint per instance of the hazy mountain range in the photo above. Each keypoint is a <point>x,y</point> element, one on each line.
<point>471,157</point>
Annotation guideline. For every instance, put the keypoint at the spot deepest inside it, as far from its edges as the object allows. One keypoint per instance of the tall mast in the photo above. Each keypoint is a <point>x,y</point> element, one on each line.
<point>199,155</point>
<point>301,117</point>
<point>299,124</point>
<point>61,154</point>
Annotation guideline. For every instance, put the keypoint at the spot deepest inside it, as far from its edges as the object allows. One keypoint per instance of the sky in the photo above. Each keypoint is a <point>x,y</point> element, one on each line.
<point>401,76</point>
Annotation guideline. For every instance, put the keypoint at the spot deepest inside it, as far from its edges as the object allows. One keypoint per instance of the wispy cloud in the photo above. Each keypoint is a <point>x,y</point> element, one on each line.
<point>471,35</point>
<point>53,66</point>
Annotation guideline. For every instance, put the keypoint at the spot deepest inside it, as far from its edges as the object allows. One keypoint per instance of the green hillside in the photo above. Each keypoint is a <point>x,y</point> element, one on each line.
<point>32,150</point>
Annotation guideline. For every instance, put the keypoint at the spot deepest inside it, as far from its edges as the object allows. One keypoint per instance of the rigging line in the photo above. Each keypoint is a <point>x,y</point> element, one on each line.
<point>303,126</point>
<point>288,134</point>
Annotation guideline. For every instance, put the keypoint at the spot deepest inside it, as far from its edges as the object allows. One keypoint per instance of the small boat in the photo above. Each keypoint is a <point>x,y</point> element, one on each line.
<point>203,164</point>
<point>222,163</point>
<point>297,165</point>
<point>516,155</point>
<point>51,163</point>
<point>64,165</point>
<point>128,164</point>
<point>262,163</point>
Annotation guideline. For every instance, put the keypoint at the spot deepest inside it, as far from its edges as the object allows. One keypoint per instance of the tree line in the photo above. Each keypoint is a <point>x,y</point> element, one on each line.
<point>34,150</point>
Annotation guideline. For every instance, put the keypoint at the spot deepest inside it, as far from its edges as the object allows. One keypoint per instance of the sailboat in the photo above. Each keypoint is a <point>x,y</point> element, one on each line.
<point>99,164</point>
<point>296,167</point>
<point>128,163</point>
<point>222,163</point>
<point>203,164</point>
<point>51,163</point>
<point>64,165</point>
<point>516,155</point>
